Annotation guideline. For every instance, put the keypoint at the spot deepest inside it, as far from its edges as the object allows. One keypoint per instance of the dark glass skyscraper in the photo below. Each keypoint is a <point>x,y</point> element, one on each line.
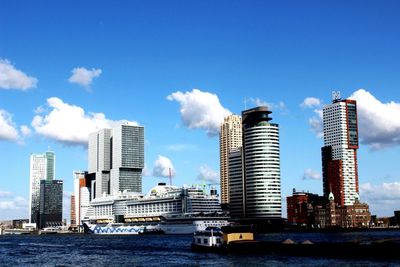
<point>51,196</point>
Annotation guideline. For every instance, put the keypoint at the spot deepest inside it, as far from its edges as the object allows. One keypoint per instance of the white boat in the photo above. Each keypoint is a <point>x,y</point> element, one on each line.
<point>210,239</point>
<point>226,238</point>
<point>166,209</point>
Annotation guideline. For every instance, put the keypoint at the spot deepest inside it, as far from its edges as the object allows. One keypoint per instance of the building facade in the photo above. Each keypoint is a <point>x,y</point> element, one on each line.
<point>300,208</point>
<point>230,138</point>
<point>73,214</point>
<point>332,215</point>
<point>42,167</point>
<point>83,183</point>
<point>339,154</point>
<point>116,159</point>
<point>236,193</point>
<point>261,165</point>
<point>127,158</point>
<point>51,196</point>
<point>99,159</point>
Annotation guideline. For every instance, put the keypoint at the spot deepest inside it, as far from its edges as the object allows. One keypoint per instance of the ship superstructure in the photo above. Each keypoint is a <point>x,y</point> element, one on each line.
<point>167,208</point>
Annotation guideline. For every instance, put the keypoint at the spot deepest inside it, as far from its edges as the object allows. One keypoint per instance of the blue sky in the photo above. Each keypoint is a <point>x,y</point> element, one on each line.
<point>68,68</point>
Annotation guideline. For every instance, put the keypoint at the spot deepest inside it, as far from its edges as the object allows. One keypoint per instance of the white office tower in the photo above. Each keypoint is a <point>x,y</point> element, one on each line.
<point>230,138</point>
<point>339,154</point>
<point>100,160</point>
<point>116,156</point>
<point>82,195</point>
<point>42,167</point>
<point>127,158</point>
<point>261,158</point>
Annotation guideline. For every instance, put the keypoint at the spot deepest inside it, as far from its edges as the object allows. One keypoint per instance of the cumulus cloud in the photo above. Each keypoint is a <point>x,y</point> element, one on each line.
<point>25,130</point>
<point>11,78</point>
<point>162,167</point>
<point>315,121</point>
<point>83,76</point>
<point>271,106</point>
<point>200,110</point>
<point>311,102</point>
<point>70,124</point>
<point>146,172</point>
<point>8,130</point>
<point>382,198</point>
<point>379,123</point>
<point>208,174</point>
<point>4,194</point>
<point>310,174</point>
<point>258,102</point>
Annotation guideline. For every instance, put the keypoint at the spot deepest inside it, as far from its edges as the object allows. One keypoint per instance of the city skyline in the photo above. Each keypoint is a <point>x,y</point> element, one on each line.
<point>178,70</point>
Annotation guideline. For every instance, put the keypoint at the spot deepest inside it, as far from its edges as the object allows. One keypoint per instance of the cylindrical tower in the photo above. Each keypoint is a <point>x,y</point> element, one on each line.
<point>261,157</point>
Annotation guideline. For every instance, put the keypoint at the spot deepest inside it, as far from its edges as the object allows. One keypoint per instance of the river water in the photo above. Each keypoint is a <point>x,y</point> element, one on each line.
<point>166,250</point>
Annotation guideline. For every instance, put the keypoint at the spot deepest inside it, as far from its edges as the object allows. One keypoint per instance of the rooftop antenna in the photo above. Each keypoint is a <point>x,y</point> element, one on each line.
<point>335,96</point>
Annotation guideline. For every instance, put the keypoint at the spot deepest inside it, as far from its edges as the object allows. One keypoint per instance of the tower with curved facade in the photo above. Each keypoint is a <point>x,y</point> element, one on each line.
<point>261,165</point>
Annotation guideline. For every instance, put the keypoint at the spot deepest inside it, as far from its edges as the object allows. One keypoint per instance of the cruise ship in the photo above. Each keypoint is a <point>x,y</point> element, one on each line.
<point>167,209</point>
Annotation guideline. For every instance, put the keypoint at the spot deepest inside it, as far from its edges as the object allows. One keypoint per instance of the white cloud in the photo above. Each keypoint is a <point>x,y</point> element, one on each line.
<point>15,203</point>
<point>258,102</point>
<point>180,147</point>
<point>25,130</point>
<point>146,172</point>
<point>317,124</point>
<point>200,110</point>
<point>379,123</point>
<point>208,174</point>
<point>311,102</point>
<point>70,124</point>
<point>11,78</point>
<point>383,198</point>
<point>8,130</point>
<point>4,194</point>
<point>83,76</point>
<point>310,174</point>
<point>162,167</point>
<point>271,106</point>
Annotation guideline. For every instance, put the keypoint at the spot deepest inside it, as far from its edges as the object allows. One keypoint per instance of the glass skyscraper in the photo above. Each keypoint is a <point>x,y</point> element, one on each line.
<point>51,196</point>
<point>42,167</point>
<point>116,157</point>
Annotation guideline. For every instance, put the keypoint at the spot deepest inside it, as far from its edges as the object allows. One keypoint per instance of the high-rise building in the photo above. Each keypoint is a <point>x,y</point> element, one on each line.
<point>42,167</point>
<point>82,192</point>
<point>254,169</point>
<point>116,157</point>
<point>230,137</point>
<point>100,159</point>
<point>339,154</point>
<point>51,196</point>
<point>73,214</point>
<point>261,160</point>
<point>127,158</point>
<point>236,193</point>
